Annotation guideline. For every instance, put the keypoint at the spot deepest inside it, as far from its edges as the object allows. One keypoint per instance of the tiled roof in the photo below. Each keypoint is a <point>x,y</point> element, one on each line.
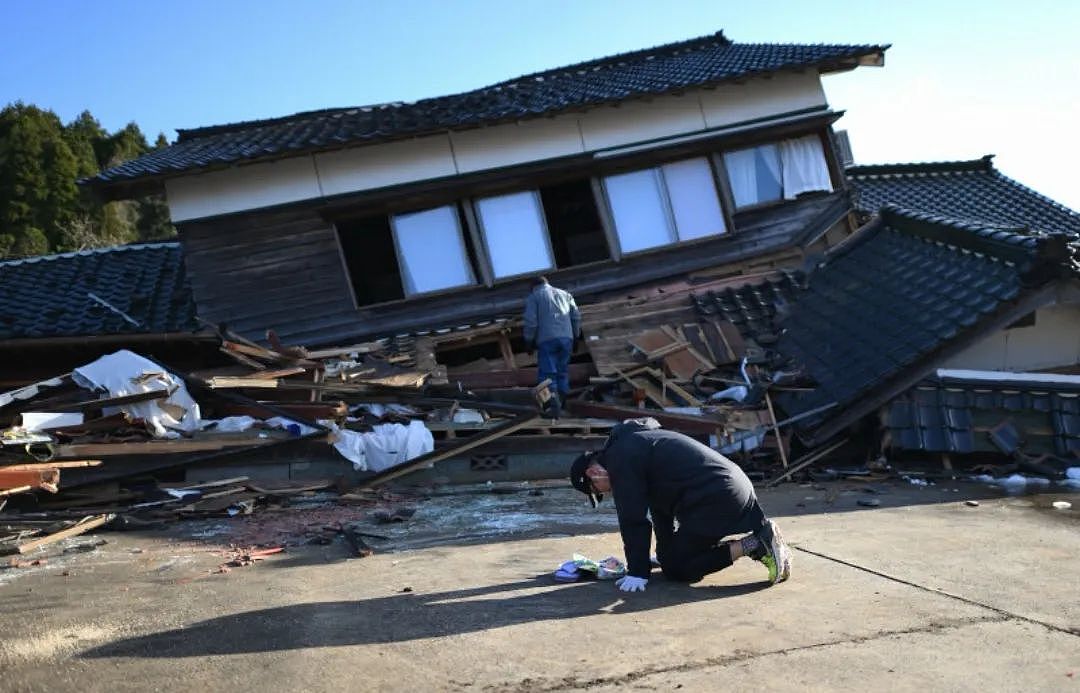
<point>953,416</point>
<point>968,190</point>
<point>698,62</point>
<point>90,292</point>
<point>898,291</point>
<point>752,308</point>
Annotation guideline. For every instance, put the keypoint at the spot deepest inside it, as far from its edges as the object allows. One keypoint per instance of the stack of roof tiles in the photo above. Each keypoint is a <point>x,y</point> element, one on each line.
<point>699,62</point>
<point>122,290</point>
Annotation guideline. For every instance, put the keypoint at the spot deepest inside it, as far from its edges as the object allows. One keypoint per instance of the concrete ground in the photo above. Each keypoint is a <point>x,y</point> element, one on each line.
<point>924,592</point>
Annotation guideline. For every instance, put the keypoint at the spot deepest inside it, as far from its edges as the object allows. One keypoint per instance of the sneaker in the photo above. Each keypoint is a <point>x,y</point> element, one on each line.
<point>777,557</point>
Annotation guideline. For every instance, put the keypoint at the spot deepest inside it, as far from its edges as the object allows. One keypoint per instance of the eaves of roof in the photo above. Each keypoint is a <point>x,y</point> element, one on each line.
<point>973,190</point>
<point>696,63</point>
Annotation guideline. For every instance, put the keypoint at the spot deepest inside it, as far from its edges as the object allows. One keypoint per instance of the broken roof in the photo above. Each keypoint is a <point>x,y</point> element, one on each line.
<point>964,190</point>
<point>700,62</point>
<point>952,410</point>
<point>129,289</point>
<point>906,290</point>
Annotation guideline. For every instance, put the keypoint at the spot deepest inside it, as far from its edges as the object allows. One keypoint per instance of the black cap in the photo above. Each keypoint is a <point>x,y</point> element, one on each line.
<point>581,482</point>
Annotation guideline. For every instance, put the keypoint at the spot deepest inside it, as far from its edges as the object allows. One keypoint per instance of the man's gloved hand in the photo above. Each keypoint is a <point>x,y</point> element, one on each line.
<point>631,584</point>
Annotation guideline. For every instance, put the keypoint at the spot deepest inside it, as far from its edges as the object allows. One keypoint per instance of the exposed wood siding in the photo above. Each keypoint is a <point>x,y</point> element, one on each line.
<point>283,270</point>
<point>260,271</point>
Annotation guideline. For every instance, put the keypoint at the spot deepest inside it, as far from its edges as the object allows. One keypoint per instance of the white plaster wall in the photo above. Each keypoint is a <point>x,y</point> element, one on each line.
<point>735,103</point>
<point>639,121</point>
<point>506,145</point>
<point>1053,341</point>
<point>245,187</point>
<point>368,168</point>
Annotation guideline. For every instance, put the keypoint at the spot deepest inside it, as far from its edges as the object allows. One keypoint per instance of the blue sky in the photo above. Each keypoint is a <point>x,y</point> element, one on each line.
<point>962,79</point>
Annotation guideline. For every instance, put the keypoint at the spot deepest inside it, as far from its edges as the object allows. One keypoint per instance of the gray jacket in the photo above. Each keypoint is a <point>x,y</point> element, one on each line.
<point>551,313</point>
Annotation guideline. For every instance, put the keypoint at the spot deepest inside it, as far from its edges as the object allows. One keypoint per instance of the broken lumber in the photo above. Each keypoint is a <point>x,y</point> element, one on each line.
<point>43,466</point>
<point>46,478</point>
<point>807,460</point>
<point>674,422</point>
<point>360,548</point>
<point>450,451</point>
<point>105,402</point>
<point>80,527</point>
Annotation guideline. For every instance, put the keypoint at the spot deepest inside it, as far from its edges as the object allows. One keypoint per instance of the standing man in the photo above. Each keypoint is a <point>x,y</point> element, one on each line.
<point>675,479</point>
<point>552,323</point>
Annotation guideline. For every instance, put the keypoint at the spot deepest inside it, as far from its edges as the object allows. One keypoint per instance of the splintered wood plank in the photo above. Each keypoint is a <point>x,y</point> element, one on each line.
<point>693,335</point>
<point>651,342</point>
<point>44,477</point>
<point>507,351</point>
<point>75,530</point>
<point>733,339</point>
<point>431,458</point>
<point>721,353</point>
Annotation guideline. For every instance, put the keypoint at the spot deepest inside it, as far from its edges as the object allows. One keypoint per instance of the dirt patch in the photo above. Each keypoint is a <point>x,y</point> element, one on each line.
<point>54,643</point>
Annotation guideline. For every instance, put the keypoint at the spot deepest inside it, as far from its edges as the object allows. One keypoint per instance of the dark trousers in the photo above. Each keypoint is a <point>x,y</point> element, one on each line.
<point>689,556</point>
<point>553,361</point>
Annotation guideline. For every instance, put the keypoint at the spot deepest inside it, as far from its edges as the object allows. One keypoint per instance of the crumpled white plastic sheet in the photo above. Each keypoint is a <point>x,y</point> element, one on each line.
<point>126,373</point>
<point>386,445</point>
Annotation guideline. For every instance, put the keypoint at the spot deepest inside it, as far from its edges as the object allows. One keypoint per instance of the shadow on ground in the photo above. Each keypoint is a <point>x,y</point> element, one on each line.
<point>402,617</point>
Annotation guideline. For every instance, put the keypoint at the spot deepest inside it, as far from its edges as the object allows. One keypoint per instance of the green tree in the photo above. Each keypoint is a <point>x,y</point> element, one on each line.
<point>37,177</point>
<point>43,210</point>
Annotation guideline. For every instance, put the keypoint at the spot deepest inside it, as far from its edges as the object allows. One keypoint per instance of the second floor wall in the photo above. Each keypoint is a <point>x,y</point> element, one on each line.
<point>599,132</point>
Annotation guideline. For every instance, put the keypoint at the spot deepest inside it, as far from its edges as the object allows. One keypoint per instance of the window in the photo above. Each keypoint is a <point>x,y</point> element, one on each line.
<point>573,222</point>
<point>514,233</point>
<point>431,251</point>
<point>776,171</point>
<point>368,245</point>
<point>658,206</point>
<point>694,201</point>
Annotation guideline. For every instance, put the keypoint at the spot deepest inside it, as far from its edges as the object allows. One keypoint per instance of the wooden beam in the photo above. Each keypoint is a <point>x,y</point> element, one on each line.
<point>675,422</point>
<point>81,527</point>
<point>450,451</point>
<point>42,466</point>
<point>807,460</point>
<point>776,430</point>
<point>111,401</point>
<point>46,477</point>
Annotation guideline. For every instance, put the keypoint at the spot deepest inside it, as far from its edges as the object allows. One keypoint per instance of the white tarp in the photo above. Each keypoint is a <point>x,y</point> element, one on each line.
<point>126,373</point>
<point>386,445</point>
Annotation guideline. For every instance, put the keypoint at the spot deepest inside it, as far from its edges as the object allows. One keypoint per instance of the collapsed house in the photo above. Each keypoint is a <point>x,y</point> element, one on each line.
<point>351,269</point>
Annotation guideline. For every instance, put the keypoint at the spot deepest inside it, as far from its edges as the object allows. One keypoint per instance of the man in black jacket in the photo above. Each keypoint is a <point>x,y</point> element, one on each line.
<point>675,479</point>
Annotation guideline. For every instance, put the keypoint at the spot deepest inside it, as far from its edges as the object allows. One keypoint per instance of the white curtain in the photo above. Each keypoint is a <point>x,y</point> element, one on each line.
<point>514,233</point>
<point>803,165</point>
<point>431,250</point>
<point>694,201</point>
<point>641,221</point>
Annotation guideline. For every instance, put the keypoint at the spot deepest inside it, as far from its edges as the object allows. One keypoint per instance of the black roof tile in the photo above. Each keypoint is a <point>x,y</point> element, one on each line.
<point>895,293</point>
<point>90,292</point>
<point>699,62</point>
<point>752,308</point>
<point>947,409</point>
<point>973,191</point>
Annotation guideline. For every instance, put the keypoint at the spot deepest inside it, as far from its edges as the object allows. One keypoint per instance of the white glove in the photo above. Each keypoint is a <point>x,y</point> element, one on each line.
<point>631,583</point>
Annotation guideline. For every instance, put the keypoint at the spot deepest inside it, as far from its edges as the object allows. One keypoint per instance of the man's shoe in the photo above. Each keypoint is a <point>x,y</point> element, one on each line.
<point>777,556</point>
